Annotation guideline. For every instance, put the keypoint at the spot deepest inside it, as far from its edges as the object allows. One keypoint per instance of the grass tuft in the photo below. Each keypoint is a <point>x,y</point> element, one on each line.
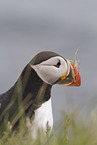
<point>68,131</point>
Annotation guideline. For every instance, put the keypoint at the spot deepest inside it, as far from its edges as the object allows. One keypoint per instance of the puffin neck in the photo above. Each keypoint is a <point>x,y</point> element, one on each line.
<point>32,85</point>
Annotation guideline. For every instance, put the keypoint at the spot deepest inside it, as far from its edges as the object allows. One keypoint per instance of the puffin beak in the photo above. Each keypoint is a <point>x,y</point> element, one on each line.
<point>72,78</point>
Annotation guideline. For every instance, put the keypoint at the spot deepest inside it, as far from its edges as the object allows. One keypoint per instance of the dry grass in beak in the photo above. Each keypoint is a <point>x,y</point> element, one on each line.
<point>75,64</point>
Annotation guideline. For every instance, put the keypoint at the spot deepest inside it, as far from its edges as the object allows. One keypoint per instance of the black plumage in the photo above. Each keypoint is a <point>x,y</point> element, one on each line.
<point>29,90</point>
<point>33,88</point>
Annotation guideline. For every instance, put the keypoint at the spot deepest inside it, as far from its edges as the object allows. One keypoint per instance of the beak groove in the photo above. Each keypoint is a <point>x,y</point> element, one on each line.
<point>72,79</point>
<point>76,76</point>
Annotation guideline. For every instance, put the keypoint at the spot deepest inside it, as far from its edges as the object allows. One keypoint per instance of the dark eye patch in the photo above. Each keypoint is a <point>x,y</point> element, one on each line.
<point>58,64</point>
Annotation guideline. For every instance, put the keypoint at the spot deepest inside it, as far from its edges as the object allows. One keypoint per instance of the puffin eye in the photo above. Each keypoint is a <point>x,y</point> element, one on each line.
<point>58,64</point>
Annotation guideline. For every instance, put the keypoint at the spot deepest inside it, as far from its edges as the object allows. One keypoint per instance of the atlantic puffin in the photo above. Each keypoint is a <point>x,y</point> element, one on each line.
<point>32,90</point>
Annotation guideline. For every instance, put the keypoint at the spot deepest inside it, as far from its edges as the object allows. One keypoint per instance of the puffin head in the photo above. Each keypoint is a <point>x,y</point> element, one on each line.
<point>54,69</point>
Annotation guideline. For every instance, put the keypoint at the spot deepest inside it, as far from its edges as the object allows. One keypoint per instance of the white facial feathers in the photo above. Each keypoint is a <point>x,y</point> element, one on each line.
<point>51,70</point>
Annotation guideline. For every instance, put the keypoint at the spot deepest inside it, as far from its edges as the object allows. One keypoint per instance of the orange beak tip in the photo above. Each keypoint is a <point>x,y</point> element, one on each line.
<point>72,79</point>
<point>77,77</point>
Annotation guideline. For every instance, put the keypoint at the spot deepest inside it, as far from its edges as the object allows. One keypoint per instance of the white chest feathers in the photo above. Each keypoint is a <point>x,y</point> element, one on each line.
<point>43,116</point>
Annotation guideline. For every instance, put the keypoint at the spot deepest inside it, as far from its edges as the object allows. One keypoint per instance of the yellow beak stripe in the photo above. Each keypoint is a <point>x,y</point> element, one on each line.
<point>63,76</point>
